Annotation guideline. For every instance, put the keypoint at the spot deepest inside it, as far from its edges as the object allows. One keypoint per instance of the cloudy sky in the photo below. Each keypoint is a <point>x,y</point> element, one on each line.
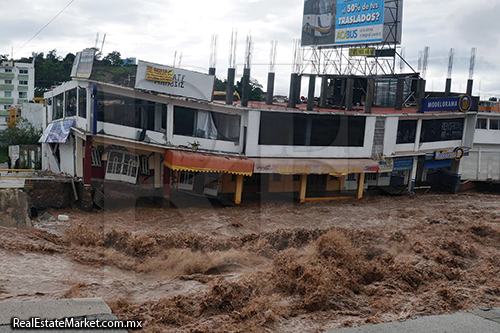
<point>154,30</point>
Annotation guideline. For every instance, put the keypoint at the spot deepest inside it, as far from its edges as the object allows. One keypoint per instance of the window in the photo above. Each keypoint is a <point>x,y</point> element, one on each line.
<point>6,107</point>
<point>8,94</point>
<point>23,94</point>
<point>122,166</point>
<point>82,102</point>
<point>23,71</point>
<point>276,178</point>
<point>144,165</point>
<point>436,130</point>
<point>311,130</point>
<point>8,81</point>
<point>296,178</point>
<point>70,103</point>
<point>23,83</point>
<point>206,124</point>
<point>8,70</point>
<point>371,176</point>
<point>233,178</point>
<point>6,119</point>
<point>481,123</point>
<point>333,177</point>
<point>57,107</point>
<point>407,131</point>
<point>495,124</point>
<point>351,177</point>
<point>96,158</point>
<point>186,181</point>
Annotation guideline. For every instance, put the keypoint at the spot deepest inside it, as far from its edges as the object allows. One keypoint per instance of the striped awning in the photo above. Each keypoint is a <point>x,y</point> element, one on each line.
<point>201,162</point>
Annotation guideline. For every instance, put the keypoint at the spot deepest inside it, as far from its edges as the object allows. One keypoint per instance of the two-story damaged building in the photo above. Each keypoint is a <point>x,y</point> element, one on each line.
<point>166,136</point>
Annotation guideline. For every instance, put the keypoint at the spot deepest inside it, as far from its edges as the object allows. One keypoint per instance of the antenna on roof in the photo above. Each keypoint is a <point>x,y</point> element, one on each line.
<point>180,61</point>
<point>297,57</point>
<point>473,53</point>
<point>426,59</point>
<point>213,51</point>
<point>401,62</point>
<point>175,59</point>
<point>96,40</point>
<point>233,43</point>
<point>272,57</point>
<point>102,46</point>
<point>450,62</point>
<point>420,54</point>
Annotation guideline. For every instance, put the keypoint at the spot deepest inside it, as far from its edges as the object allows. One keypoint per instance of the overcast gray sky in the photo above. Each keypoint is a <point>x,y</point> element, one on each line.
<point>154,29</point>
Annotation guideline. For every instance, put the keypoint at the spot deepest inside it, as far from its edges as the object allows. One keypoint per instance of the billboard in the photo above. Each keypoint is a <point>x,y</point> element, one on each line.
<point>351,22</point>
<point>82,66</point>
<point>174,81</point>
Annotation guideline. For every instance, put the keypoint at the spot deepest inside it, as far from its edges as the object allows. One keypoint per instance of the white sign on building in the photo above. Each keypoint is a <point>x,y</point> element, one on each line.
<point>174,81</point>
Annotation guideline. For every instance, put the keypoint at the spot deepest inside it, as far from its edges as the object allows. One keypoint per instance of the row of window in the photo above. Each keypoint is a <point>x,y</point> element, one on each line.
<point>22,94</point>
<point>21,71</point>
<point>72,104</point>
<point>482,123</point>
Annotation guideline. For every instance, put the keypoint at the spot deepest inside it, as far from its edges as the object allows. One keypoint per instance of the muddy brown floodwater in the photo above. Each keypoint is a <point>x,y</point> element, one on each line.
<point>266,267</point>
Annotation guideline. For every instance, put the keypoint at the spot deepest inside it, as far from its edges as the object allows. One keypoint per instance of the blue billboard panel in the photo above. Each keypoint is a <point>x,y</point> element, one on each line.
<point>403,164</point>
<point>359,21</point>
<point>461,103</point>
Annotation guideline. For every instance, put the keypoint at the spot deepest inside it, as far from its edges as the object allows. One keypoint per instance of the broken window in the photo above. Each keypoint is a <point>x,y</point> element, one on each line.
<point>82,102</point>
<point>144,165</point>
<point>206,124</point>
<point>57,107</point>
<point>122,166</point>
<point>96,157</point>
<point>186,181</point>
<point>71,103</point>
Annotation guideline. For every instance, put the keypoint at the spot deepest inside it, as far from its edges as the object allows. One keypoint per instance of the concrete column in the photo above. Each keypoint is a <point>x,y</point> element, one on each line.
<point>447,89</point>
<point>231,72</point>
<point>400,94</point>
<point>303,188</point>
<point>349,93</point>
<point>310,95</point>
<point>211,71</point>
<point>413,177</point>
<point>87,168</point>
<point>79,157</point>
<point>239,189</point>
<point>324,89</point>
<point>245,82</point>
<point>370,94</point>
<point>292,100</point>
<point>420,93</point>
<point>361,185</point>
<point>470,83</point>
<point>166,182</point>
<point>270,88</point>
<point>298,88</point>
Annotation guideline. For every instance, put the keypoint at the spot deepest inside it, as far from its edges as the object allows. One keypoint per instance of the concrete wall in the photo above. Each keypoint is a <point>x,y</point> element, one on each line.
<point>483,163</point>
<point>33,113</point>
<point>14,208</point>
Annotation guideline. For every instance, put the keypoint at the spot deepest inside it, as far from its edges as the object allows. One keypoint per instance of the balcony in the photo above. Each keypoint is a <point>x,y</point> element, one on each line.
<point>7,100</point>
<point>21,101</point>
<point>22,87</point>
<point>6,87</point>
<point>22,76</point>
<point>6,75</point>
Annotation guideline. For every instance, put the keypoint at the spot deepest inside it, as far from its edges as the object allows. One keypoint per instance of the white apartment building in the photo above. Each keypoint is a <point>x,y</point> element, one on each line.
<point>17,83</point>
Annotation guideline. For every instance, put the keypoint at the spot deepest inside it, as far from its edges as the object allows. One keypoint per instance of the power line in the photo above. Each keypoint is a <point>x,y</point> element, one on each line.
<point>45,26</point>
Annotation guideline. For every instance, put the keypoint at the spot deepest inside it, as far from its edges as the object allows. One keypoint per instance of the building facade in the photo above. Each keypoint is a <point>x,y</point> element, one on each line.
<point>17,83</point>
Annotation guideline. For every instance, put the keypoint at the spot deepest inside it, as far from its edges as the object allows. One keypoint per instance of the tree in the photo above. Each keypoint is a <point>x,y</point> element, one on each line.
<point>70,57</point>
<point>20,133</point>
<point>52,56</point>
<point>4,57</point>
<point>255,90</point>
<point>115,58</point>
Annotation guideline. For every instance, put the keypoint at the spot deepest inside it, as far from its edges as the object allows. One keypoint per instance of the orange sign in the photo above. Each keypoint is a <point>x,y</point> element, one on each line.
<point>159,75</point>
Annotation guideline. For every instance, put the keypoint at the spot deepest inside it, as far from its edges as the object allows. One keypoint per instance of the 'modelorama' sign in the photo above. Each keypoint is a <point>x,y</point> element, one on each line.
<point>174,81</point>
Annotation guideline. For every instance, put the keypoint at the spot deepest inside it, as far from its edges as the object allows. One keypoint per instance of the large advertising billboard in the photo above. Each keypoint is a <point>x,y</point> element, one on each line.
<point>351,22</point>
<point>174,81</point>
<point>82,66</point>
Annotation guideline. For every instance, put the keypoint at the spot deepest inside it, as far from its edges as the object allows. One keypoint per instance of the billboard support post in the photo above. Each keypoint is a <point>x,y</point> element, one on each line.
<point>447,90</point>
<point>470,84</point>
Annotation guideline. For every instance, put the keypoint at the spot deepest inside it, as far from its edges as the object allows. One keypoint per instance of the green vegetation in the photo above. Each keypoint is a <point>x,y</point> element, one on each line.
<point>255,88</point>
<point>23,133</point>
<point>4,154</point>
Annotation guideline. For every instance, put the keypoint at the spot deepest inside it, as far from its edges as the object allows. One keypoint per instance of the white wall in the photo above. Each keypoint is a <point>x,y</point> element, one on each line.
<point>255,150</point>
